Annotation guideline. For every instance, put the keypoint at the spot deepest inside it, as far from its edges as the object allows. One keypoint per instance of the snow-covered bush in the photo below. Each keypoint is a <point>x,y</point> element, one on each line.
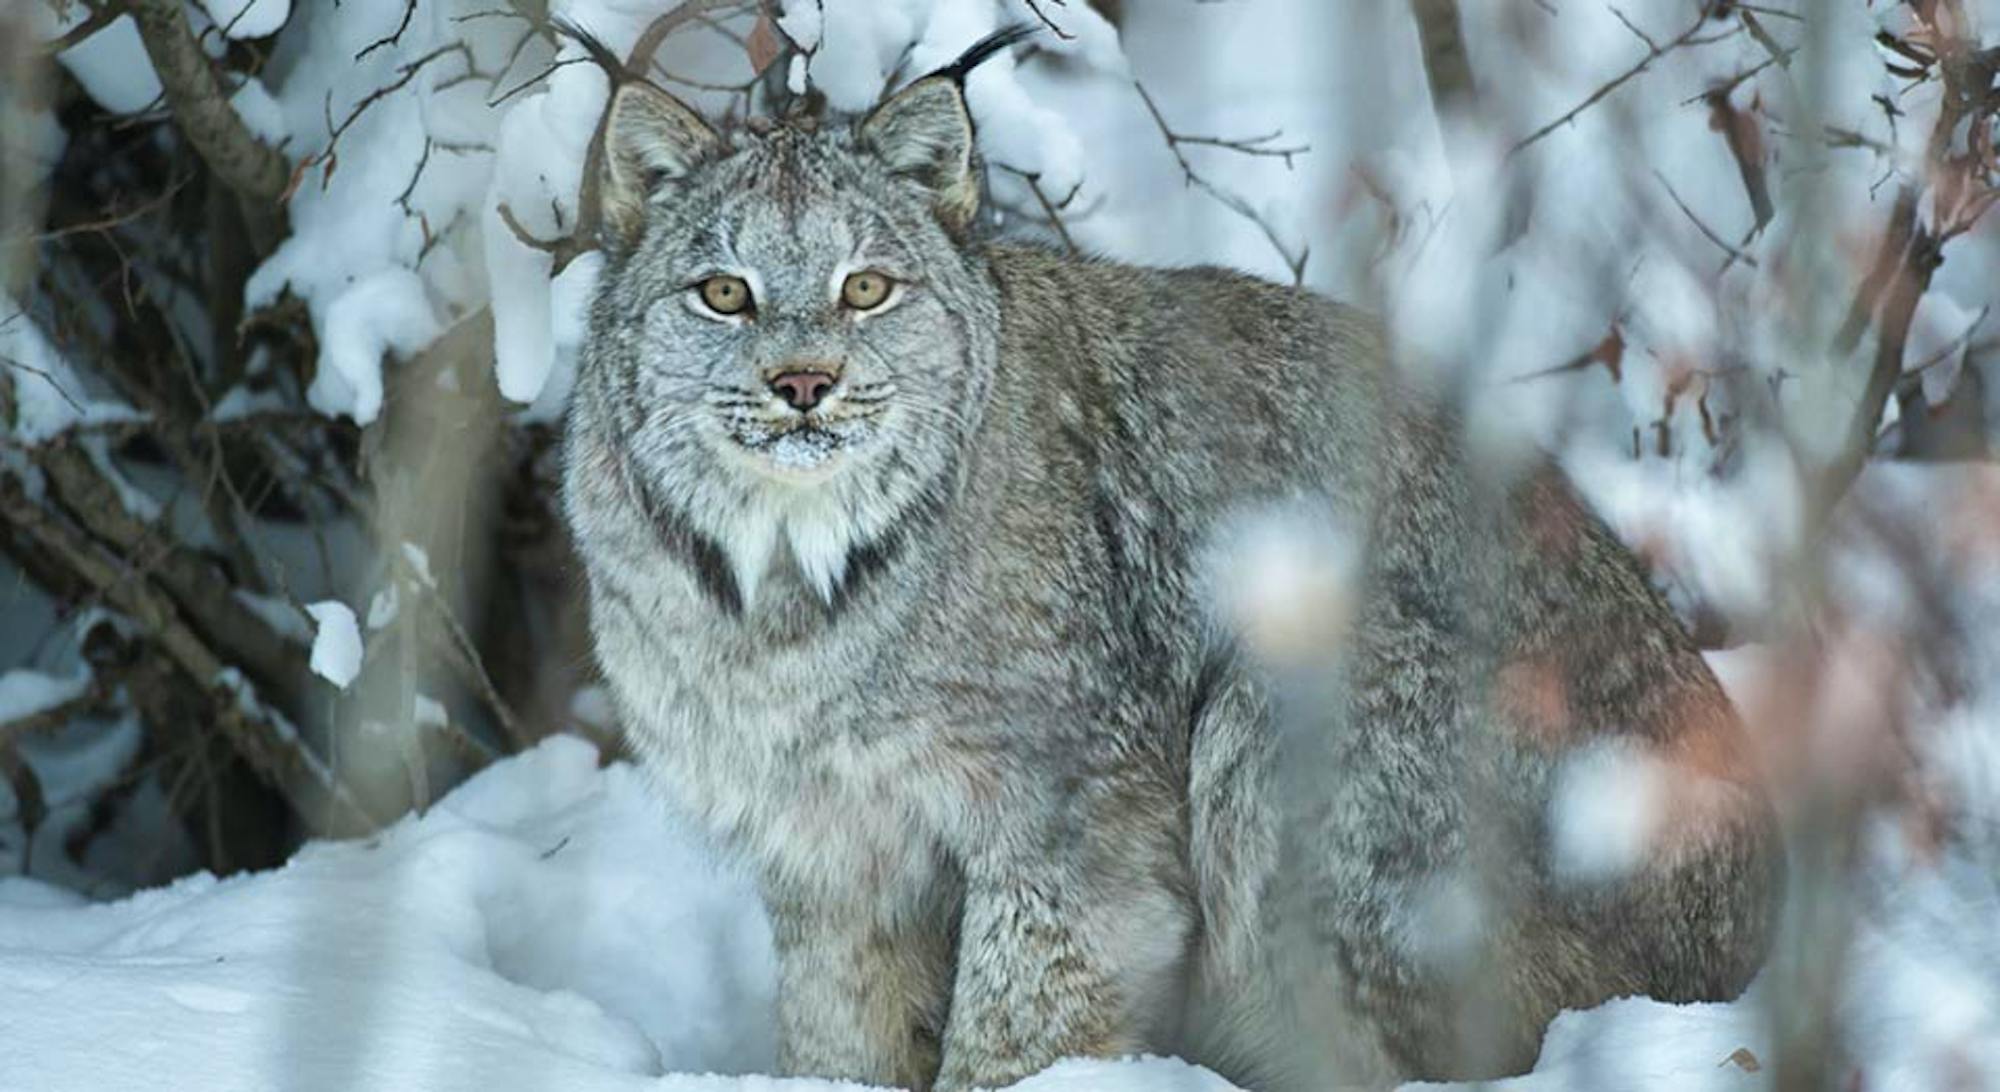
<point>290,294</point>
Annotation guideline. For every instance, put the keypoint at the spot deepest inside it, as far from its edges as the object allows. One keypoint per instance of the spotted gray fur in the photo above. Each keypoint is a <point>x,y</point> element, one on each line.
<point>948,665</point>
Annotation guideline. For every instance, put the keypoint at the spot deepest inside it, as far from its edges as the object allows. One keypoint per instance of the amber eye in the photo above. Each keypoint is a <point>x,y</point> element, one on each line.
<point>865,291</point>
<point>726,295</point>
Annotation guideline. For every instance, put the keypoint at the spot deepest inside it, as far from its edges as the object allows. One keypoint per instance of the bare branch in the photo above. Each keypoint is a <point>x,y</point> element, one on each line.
<point>329,156</point>
<point>1654,51</point>
<point>99,18</point>
<point>44,376</point>
<point>409,9</point>
<point>536,79</point>
<point>466,659</point>
<point>1051,209</point>
<point>1294,259</point>
<point>1446,64</point>
<point>1911,251</point>
<point>664,25</point>
<point>119,217</point>
<point>1736,253</point>
<point>563,249</point>
<point>270,745</point>
<point>1036,7</point>
<point>195,586</point>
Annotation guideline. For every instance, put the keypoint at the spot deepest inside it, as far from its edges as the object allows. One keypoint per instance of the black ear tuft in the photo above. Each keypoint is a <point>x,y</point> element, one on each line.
<point>648,136</point>
<point>614,69</point>
<point>980,51</point>
<point>924,131</point>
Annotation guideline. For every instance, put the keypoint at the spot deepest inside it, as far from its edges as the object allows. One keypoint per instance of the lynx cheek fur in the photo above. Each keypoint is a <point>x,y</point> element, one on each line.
<point>906,587</point>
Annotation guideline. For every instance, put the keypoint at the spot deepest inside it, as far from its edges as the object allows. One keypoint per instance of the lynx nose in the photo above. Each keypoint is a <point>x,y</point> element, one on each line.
<point>802,390</point>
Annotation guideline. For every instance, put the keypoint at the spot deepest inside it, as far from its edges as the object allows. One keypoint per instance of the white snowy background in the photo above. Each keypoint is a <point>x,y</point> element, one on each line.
<point>551,925</point>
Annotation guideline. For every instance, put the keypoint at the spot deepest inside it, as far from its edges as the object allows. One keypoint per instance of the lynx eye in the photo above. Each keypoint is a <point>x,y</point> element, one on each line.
<point>725,295</point>
<point>865,291</point>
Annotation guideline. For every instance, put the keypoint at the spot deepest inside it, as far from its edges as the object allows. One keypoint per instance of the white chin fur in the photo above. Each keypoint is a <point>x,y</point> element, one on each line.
<point>820,521</point>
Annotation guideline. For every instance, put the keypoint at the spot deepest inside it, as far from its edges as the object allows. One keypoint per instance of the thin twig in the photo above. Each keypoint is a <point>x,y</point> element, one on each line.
<point>1036,7</point>
<point>473,667</point>
<point>44,376</point>
<point>119,219</point>
<point>1654,52</point>
<point>94,695</point>
<point>1252,146</point>
<point>536,79</point>
<point>563,249</point>
<point>409,9</point>
<point>1736,254</point>
<point>99,18</point>
<point>329,156</point>
<point>664,25</point>
<point>1050,209</point>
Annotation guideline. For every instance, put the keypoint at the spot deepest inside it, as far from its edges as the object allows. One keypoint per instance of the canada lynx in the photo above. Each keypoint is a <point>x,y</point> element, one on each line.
<point>915,564</point>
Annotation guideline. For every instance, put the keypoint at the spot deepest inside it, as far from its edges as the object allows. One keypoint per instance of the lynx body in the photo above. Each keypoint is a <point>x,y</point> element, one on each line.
<point>916,591</point>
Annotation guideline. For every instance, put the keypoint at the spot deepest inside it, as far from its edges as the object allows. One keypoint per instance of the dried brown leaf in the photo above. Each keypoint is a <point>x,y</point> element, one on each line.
<point>763,44</point>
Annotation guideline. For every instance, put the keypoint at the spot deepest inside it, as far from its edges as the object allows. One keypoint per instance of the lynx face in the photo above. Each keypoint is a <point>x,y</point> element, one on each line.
<point>792,327</point>
<point>794,299</point>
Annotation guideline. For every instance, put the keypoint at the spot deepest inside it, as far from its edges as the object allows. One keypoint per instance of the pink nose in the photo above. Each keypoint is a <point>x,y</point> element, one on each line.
<point>802,390</point>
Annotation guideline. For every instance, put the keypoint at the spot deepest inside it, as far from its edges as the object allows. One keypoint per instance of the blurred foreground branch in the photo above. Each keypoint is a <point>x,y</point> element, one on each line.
<point>1446,63</point>
<point>1957,183</point>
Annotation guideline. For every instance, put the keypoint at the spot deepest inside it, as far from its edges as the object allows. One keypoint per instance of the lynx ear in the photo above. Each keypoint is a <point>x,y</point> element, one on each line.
<point>649,138</point>
<point>924,131</point>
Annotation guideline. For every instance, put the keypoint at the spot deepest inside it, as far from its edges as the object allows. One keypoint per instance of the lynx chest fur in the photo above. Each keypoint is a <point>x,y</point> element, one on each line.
<point>910,563</point>
<point>771,751</point>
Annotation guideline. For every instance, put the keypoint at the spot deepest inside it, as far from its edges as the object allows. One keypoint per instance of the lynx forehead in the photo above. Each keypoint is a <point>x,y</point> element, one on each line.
<point>902,548</point>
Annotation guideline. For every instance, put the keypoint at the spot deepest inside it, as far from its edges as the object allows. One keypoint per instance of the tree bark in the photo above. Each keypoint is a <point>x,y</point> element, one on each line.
<point>1446,65</point>
<point>201,110</point>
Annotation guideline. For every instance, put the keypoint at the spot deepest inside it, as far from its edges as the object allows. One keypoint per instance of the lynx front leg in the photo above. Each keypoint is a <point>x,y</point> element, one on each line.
<point>1054,963</point>
<point>858,999</point>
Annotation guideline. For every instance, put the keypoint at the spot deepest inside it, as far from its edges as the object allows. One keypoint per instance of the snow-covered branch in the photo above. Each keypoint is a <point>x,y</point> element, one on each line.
<point>199,106</point>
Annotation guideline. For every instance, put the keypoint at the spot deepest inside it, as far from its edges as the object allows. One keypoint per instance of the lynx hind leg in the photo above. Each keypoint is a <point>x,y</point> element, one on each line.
<point>1343,942</point>
<point>1651,872</point>
<point>1268,1005</point>
<point>1458,935</point>
<point>1654,843</point>
<point>1670,869</point>
<point>1386,894</point>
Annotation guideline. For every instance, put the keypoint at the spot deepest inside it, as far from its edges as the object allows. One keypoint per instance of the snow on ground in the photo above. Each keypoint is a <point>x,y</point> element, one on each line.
<point>543,927</point>
<point>551,925</point>
<point>546,926</point>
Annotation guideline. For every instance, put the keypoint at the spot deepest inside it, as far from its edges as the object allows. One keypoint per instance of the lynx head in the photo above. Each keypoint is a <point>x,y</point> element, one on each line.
<point>792,321</point>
